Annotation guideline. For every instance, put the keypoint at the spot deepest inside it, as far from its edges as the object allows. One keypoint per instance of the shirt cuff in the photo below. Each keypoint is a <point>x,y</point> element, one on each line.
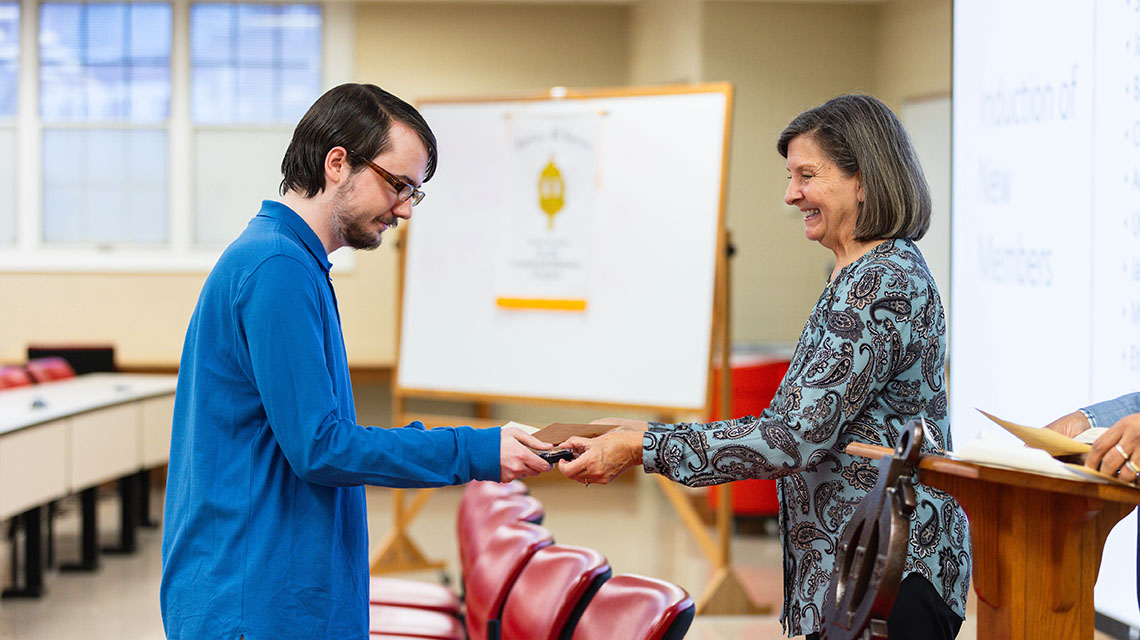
<point>1109,412</point>
<point>651,444</point>
<point>482,447</point>
<point>1088,416</point>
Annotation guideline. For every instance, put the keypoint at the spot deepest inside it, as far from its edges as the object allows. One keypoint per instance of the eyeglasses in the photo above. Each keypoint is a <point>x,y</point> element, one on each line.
<point>404,191</point>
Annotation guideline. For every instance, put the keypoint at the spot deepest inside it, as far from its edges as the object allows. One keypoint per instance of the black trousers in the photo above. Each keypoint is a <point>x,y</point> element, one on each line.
<point>919,613</point>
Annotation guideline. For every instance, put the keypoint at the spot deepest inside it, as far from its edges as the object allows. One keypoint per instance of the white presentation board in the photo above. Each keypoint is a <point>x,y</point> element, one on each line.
<point>1046,223</point>
<point>567,249</point>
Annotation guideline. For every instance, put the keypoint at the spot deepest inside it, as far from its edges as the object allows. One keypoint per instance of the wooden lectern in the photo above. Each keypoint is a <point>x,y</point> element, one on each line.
<point>1037,543</point>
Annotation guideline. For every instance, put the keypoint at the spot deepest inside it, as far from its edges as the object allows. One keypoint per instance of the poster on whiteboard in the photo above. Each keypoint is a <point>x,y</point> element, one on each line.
<point>544,255</point>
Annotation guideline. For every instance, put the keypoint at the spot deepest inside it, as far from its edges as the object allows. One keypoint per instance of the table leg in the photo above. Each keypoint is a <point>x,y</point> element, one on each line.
<point>33,558</point>
<point>145,520</point>
<point>128,517</point>
<point>89,534</point>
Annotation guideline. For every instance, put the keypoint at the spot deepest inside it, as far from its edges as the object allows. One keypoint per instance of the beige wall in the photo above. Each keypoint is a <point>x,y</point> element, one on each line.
<point>666,42</point>
<point>912,50</point>
<point>144,316</point>
<point>782,57</point>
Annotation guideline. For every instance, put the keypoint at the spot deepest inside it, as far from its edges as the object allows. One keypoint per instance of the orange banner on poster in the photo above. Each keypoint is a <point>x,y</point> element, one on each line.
<point>541,304</point>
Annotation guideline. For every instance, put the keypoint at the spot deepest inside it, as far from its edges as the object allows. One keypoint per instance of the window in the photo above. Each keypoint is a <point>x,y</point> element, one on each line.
<point>9,57</point>
<point>254,63</point>
<point>254,72</point>
<point>148,132</point>
<point>104,101</point>
<point>105,187</point>
<point>105,62</point>
<point>9,92</point>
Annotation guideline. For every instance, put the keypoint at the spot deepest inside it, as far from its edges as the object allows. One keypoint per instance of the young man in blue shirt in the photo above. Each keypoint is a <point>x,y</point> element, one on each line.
<point>265,527</point>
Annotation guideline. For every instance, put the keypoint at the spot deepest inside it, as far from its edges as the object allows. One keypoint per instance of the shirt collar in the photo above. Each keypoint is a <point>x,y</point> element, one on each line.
<point>303,231</point>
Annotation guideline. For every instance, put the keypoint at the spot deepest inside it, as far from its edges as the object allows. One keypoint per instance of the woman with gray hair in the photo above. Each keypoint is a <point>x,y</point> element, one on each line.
<point>870,358</point>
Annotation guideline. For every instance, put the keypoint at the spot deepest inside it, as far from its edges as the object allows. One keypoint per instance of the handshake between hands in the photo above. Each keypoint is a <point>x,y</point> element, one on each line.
<point>595,460</point>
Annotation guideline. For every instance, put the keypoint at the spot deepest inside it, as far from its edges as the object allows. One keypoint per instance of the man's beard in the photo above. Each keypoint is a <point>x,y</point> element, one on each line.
<point>350,227</point>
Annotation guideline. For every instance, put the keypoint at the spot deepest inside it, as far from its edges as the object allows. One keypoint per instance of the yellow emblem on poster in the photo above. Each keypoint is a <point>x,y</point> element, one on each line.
<point>551,192</point>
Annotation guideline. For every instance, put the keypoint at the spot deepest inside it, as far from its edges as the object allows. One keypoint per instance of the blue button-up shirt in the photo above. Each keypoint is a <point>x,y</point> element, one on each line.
<point>1107,413</point>
<point>265,534</point>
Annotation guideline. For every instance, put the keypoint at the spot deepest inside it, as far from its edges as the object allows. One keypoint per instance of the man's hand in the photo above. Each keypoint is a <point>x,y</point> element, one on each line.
<point>599,460</point>
<point>1106,453</point>
<point>516,460</point>
<point>1070,425</point>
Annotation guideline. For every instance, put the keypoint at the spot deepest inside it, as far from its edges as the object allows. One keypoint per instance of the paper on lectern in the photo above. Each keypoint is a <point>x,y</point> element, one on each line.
<point>1038,454</point>
<point>1048,440</point>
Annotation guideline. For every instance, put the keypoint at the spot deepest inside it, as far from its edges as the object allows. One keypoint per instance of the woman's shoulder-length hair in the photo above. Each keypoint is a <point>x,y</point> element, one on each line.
<point>862,135</point>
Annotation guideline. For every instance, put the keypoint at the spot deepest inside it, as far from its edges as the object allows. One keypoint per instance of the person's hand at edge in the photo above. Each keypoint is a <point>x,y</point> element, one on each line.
<point>516,460</point>
<point>600,460</point>
<point>1106,454</point>
<point>1070,424</point>
<point>624,424</point>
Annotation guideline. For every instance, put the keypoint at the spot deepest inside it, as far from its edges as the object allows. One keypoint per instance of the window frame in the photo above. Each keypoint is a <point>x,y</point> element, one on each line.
<point>11,123</point>
<point>179,255</point>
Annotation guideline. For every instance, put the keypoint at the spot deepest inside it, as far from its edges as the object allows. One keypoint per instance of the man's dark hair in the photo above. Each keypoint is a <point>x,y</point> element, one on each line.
<point>357,117</point>
<point>862,135</point>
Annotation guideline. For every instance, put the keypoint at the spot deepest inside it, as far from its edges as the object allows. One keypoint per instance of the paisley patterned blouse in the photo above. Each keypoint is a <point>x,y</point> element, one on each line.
<point>870,358</point>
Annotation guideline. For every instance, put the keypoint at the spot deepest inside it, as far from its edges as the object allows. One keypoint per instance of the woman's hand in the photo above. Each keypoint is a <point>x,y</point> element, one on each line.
<point>600,460</point>
<point>1116,451</point>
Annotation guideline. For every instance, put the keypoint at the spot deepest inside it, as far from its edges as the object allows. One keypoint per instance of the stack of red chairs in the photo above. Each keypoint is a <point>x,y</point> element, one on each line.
<point>521,586</point>
<point>48,369</point>
<point>12,377</point>
<point>36,371</point>
<point>485,507</point>
<point>488,582</point>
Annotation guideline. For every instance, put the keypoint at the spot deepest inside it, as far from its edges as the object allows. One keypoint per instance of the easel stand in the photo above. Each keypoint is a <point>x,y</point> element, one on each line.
<point>397,552</point>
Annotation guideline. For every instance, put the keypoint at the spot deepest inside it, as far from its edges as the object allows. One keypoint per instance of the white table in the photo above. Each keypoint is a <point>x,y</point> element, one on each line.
<point>69,436</point>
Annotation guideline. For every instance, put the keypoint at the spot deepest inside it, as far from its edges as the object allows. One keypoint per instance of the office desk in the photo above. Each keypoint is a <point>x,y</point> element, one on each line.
<point>1036,539</point>
<point>68,436</point>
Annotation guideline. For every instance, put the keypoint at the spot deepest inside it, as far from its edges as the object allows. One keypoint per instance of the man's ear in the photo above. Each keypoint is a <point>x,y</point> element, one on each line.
<point>337,168</point>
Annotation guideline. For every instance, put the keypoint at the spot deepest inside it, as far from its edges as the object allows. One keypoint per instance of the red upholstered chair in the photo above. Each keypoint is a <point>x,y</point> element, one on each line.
<point>494,572</point>
<point>474,530</point>
<point>491,577</point>
<point>479,495</point>
<point>429,596</point>
<point>473,533</point>
<point>48,369</point>
<point>389,636</point>
<point>549,595</point>
<point>634,607</point>
<point>12,377</point>
<point>384,621</point>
